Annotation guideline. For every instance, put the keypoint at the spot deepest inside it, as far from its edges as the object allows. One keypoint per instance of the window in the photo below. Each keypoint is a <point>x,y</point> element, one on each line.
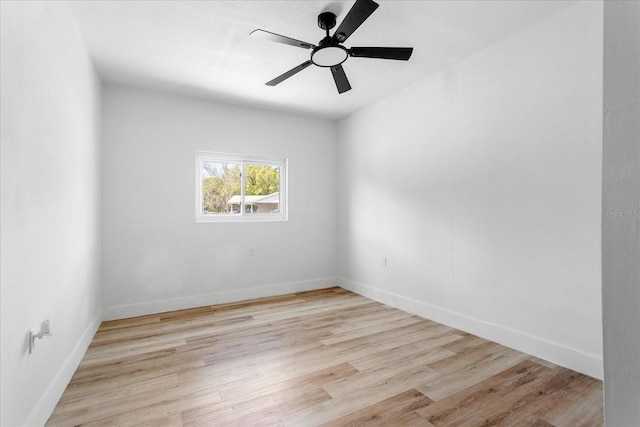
<point>232,187</point>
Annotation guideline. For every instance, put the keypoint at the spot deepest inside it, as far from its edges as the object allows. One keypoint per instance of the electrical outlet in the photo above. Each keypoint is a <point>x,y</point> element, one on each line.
<point>252,251</point>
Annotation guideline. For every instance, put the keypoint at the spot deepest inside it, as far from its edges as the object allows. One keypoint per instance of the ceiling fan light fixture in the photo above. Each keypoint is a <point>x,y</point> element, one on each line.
<point>329,56</point>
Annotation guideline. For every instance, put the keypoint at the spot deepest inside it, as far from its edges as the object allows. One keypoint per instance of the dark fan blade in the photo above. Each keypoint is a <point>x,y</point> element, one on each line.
<point>342,83</point>
<point>400,53</point>
<point>288,74</point>
<point>281,39</point>
<point>359,13</point>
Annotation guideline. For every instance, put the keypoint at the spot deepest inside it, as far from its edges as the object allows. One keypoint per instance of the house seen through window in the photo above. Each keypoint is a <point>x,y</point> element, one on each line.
<point>240,188</point>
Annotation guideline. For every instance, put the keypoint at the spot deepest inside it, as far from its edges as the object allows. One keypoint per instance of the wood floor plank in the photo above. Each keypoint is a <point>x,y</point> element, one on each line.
<point>575,404</point>
<point>322,357</point>
<point>129,377</point>
<point>427,351</point>
<point>375,390</point>
<point>364,317</point>
<point>256,386</point>
<point>150,413</point>
<point>369,329</point>
<point>467,344</point>
<point>412,419</point>
<point>498,399</point>
<point>327,357</point>
<point>410,375</point>
<point>386,412</point>
<point>109,402</point>
<point>346,303</point>
<point>469,371</point>
<point>182,327</point>
<point>99,409</point>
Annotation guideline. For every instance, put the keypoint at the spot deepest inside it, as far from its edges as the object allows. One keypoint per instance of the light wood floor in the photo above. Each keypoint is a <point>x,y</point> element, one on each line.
<point>326,357</point>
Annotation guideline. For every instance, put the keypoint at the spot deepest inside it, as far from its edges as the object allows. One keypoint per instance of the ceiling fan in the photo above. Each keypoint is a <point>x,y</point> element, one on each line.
<point>329,52</point>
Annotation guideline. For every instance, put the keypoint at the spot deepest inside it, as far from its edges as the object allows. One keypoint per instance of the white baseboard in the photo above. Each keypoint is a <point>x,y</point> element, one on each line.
<point>556,353</point>
<point>160,306</point>
<point>47,403</point>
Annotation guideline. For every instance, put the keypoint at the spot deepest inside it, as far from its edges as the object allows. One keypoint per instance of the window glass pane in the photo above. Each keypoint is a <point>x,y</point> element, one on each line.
<point>238,188</point>
<point>262,189</point>
<point>220,188</point>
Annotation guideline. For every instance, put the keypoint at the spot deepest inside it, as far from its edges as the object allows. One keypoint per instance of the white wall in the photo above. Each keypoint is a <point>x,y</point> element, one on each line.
<point>155,257</point>
<point>50,205</point>
<point>481,185</point>
<point>621,213</point>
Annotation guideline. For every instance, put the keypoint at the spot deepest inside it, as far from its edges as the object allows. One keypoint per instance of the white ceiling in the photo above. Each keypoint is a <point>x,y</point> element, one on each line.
<point>203,48</point>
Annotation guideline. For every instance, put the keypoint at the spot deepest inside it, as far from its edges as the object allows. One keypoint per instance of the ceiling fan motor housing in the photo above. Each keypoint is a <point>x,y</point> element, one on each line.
<point>327,20</point>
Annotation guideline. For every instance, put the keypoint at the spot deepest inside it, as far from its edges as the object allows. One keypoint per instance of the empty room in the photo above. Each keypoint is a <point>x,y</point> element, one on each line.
<point>306,213</point>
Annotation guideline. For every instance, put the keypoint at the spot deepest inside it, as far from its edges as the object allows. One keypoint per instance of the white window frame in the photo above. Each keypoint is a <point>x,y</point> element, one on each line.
<point>242,216</point>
